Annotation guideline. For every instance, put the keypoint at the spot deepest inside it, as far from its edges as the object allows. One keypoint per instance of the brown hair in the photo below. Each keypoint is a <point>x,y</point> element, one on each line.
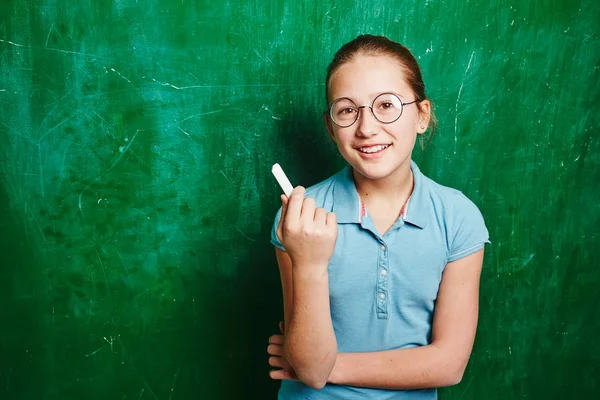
<point>380,45</point>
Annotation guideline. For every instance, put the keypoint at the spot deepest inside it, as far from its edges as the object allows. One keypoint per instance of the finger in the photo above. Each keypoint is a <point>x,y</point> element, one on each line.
<point>284,202</point>
<point>332,220</point>
<point>308,209</point>
<point>282,374</point>
<point>277,362</point>
<point>320,216</point>
<point>275,350</point>
<point>294,205</point>
<point>277,339</point>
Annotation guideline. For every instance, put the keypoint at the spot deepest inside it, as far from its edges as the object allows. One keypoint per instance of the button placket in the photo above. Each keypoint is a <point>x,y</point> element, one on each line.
<point>382,282</point>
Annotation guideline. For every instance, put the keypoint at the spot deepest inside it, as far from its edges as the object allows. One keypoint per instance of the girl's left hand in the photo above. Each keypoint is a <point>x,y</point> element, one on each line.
<point>278,360</point>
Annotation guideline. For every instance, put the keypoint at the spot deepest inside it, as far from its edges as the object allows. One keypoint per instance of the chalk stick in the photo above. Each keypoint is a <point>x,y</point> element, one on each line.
<point>283,181</point>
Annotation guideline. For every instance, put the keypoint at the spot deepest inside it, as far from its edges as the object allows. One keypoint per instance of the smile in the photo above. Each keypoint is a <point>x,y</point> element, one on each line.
<point>373,149</point>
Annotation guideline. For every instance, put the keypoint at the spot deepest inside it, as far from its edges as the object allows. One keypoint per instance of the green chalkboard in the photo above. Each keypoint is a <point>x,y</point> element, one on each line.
<point>136,139</point>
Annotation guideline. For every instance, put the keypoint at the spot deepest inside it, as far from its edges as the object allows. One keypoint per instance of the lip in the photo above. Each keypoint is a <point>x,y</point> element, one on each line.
<point>372,155</point>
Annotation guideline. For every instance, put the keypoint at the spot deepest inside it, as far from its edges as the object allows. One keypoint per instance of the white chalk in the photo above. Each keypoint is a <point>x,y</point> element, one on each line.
<point>283,181</point>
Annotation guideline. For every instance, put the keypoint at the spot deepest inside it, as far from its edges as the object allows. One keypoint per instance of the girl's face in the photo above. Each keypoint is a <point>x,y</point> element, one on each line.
<point>361,80</point>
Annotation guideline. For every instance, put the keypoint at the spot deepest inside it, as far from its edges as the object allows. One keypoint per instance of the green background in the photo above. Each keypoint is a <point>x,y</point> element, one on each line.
<point>136,201</point>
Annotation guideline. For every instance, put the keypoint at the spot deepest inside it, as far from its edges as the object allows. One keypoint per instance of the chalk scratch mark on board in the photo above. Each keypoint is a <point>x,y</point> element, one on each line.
<point>141,393</point>
<point>56,126</point>
<point>78,53</point>
<point>248,151</point>
<point>466,388</point>
<point>458,100</point>
<point>48,37</point>
<point>516,264</point>
<point>91,354</point>
<point>35,221</point>
<point>59,100</point>
<point>93,297</point>
<point>275,117</point>
<point>329,19</point>
<point>264,57</point>
<point>99,116</point>
<point>146,383</point>
<point>174,380</point>
<point>9,42</point>
<point>41,170</point>
<point>119,158</point>
<point>187,134</point>
<point>244,235</point>
<point>105,281</point>
<point>201,114</point>
<point>111,343</point>
<point>118,73</point>
<point>223,173</point>
<point>249,85</point>
<point>57,50</point>
<point>2,90</point>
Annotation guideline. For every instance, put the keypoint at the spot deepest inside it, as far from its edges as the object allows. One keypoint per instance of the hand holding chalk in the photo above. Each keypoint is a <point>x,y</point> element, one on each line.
<point>307,233</point>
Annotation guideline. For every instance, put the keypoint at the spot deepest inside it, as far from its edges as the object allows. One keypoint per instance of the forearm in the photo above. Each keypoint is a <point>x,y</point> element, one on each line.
<point>310,342</point>
<point>423,367</point>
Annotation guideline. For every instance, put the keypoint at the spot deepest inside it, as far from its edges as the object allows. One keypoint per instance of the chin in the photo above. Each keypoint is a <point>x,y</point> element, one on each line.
<point>373,172</point>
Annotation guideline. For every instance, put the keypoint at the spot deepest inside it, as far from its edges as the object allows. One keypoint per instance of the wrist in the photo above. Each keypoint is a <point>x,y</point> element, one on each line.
<point>310,272</point>
<point>335,377</point>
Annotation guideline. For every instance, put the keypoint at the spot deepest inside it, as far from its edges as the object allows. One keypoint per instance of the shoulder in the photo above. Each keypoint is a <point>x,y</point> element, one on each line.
<point>449,200</point>
<point>459,218</point>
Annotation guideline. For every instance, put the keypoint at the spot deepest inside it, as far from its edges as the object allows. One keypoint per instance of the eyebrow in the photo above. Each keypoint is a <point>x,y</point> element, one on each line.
<point>372,95</point>
<point>375,94</point>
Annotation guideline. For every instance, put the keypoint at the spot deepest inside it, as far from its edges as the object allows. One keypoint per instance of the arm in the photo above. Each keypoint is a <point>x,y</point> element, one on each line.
<point>310,345</point>
<point>441,363</point>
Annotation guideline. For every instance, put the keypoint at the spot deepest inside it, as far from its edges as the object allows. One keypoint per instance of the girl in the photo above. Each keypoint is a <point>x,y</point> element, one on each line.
<point>379,264</point>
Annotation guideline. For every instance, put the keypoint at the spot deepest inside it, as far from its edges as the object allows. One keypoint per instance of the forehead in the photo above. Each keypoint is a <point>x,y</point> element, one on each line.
<point>365,76</point>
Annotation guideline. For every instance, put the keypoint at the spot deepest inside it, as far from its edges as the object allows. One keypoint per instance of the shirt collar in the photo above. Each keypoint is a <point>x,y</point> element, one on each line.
<point>346,204</point>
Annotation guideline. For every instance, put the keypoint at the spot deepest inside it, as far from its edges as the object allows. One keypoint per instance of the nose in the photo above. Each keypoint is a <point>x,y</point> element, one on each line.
<point>367,124</point>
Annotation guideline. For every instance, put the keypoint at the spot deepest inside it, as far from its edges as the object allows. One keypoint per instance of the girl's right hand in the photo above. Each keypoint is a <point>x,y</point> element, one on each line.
<point>307,233</point>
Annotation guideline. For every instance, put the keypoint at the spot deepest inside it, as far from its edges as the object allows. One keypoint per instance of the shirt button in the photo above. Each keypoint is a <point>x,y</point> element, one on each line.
<point>382,296</point>
<point>383,272</point>
<point>383,247</point>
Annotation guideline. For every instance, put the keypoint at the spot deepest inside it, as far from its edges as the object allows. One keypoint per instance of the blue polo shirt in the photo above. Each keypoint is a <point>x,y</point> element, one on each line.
<point>383,288</point>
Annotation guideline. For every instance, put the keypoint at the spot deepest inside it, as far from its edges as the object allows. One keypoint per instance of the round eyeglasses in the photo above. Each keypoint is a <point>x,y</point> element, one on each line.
<point>386,108</point>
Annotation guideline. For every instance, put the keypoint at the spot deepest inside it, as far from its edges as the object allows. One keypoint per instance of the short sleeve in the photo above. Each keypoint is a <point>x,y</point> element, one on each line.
<point>274,239</point>
<point>468,231</point>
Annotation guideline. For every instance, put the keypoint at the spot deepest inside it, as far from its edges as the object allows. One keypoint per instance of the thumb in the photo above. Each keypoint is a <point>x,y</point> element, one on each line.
<point>284,202</point>
<point>282,327</point>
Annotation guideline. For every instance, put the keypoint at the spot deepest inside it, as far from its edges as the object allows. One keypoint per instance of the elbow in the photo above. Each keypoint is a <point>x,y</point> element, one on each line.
<point>452,379</point>
<point>309,372</point>
<point>454,375</point>
<point>313,380</point>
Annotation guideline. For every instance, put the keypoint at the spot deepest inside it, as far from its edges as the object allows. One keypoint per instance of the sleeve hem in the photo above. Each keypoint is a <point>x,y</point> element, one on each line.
<point>277,244</point>
<point>467,251</point>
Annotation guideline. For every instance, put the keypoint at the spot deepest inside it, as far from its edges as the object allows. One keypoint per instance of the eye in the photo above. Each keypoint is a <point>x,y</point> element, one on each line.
<point>346,111</point>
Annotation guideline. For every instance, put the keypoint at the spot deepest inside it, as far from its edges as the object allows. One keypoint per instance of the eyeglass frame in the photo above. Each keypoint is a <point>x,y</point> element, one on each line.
<point>402,104</point>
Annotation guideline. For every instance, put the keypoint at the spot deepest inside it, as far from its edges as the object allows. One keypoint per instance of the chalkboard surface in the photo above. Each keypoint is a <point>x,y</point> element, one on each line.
<point>136,140</point>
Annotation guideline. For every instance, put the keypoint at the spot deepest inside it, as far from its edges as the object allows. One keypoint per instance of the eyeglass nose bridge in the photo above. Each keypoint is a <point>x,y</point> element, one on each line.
<point>372,113</point>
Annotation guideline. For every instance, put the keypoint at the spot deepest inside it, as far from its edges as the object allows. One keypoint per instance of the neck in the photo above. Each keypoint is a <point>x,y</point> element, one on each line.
<point>394,188</point>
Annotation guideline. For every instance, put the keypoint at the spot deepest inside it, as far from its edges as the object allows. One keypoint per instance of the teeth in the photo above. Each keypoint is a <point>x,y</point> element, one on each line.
<point>373,149</point>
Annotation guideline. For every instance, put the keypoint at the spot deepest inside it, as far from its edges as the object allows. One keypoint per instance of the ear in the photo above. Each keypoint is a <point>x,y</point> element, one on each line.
<point>329,126</point>
<point>424,111</point>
